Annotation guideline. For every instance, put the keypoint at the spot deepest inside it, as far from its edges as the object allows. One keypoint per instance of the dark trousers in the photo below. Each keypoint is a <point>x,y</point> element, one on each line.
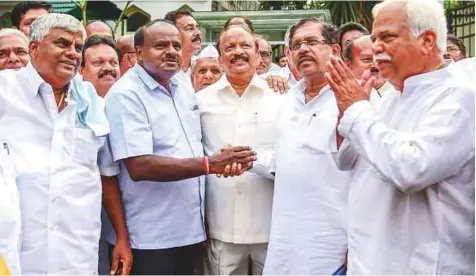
<point>170,261</point>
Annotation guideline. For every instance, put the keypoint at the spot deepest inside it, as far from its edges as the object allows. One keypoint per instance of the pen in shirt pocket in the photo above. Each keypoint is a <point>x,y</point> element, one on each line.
<point>5,146</point>
<point>310,119</point>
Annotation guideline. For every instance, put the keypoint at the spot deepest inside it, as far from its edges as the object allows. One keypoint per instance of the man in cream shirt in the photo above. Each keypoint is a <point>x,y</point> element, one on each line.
<point>239,109</point>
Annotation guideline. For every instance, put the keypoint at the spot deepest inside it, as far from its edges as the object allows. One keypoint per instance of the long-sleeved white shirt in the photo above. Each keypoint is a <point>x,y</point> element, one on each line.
<point>10,219</point>
<point>308,227</point>
<point>55,158</point>
<point>238,209</point>
<point>411,200</point>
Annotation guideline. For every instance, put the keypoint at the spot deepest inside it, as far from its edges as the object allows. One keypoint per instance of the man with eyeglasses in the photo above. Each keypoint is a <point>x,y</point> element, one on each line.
<point>308,228</point>
<point>264,59</point>
<point>128,54</point>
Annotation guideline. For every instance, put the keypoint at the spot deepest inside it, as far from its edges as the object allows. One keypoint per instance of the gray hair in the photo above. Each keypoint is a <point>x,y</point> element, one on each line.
<point>9,31</point>
<point>43,25</point>
<point>423,15</point>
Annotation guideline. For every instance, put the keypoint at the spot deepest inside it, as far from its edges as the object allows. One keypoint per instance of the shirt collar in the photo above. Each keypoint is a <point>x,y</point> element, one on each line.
<point>34,79</point>
<point>299,89</point>
<point>426,78</point>
<point>151,83</point>
<point>256,81</point>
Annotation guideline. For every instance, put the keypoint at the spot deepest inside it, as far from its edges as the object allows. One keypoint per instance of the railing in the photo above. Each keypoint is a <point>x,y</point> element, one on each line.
<point>460,20</point>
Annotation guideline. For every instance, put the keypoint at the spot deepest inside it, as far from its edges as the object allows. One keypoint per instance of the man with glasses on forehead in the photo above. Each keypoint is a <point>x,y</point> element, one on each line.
<point>308,229</point>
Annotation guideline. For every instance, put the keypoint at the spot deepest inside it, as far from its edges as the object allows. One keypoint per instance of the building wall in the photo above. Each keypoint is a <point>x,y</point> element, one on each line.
<point>157,9</point>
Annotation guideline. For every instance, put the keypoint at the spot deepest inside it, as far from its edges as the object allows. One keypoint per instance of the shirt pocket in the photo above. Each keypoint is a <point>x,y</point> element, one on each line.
<point>86,146</point>
<point>320,134</point>
<point>265,128</point>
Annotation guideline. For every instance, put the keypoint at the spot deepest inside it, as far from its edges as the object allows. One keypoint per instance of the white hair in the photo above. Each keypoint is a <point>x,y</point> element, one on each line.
<point>43,25</point>
<point>9,31</point>
<point>423,15</point>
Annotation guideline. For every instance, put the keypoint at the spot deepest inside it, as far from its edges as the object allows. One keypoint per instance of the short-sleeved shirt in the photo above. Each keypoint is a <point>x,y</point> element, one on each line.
<point>146,119</point>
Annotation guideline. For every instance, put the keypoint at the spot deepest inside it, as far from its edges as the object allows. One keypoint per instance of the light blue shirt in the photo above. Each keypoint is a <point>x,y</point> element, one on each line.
<point>146,120</point>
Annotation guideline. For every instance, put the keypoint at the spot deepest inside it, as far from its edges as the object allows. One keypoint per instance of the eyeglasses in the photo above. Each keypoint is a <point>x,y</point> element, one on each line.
<point>265,54</point>
<point>312,42</point>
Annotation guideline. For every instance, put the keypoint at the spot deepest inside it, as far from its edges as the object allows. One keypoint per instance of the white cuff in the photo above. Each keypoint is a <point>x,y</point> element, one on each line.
<point>351,115</point>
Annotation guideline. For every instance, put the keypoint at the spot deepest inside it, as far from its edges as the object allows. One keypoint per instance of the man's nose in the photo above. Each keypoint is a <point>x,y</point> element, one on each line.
<point>208,75</point>
<point>13,58</point>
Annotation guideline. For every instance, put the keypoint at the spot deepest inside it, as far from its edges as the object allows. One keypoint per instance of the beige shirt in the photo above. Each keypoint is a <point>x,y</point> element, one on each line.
<point>238,209</point>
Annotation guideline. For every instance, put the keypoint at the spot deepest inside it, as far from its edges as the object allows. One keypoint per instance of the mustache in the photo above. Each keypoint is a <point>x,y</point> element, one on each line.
<point>382,57</point>
<point>197,38</point>
<point>304,58</point>
<point>107,72</point>
<point>238,58</point>
<point>172,58</point>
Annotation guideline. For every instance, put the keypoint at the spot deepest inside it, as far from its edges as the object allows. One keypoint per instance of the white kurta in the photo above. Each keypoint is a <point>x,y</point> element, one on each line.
<point>238,209</point>
<point>57,174</point>
<point>10,219</point>
<point>308,227</point>
<point>411,201</point>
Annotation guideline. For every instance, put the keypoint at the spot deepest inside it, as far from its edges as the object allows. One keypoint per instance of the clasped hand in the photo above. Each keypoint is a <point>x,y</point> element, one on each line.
<point>231,161</point>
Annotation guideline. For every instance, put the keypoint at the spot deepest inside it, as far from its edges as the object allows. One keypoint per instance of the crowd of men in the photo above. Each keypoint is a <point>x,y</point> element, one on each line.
<point>147,154</point>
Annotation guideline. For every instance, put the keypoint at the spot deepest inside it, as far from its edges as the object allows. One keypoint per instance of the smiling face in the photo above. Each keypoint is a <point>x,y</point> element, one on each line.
<point>58,56</point>
<point>101,67</point>
<point>13,52</point>
<point>161,53</point>
<point>398,53</point>
<point>238,52</point>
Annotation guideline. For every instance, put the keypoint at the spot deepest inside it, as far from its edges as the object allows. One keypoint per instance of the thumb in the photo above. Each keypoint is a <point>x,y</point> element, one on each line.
<point>115,264</point>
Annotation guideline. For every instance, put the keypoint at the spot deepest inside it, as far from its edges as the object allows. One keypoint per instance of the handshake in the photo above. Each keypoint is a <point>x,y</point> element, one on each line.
<point>231,161</point>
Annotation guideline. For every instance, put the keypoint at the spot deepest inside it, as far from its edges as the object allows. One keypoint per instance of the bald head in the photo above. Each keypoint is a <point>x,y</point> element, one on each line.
<point>126,43</point>
<point>98,28</point>
<point>128,55</point>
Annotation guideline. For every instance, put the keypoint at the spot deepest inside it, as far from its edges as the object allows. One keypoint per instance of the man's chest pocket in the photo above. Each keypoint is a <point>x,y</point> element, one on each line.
<point>320,134</point>
<point>265,128</point>
<point>85,147</point>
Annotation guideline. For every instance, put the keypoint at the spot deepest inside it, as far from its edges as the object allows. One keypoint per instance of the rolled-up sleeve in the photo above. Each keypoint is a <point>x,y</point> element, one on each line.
<point>131,133</point>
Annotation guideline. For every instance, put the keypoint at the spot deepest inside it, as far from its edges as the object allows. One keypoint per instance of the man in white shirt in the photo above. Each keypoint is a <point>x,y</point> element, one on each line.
<point>10,218</point>
<point>54,125</point>
<point>238,109</point>
<point>191,36</point>
<point>100,66</point>
<point>308,226</point>
<point>206,69</point>
<point>411,201</point>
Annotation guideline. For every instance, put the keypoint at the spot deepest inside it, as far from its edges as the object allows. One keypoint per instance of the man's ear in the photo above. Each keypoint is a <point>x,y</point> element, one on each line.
<point>81,70</point>
<point>336,50</point>
<point>33,48</point>
<point>139,53</point>
<point>428,41</point>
